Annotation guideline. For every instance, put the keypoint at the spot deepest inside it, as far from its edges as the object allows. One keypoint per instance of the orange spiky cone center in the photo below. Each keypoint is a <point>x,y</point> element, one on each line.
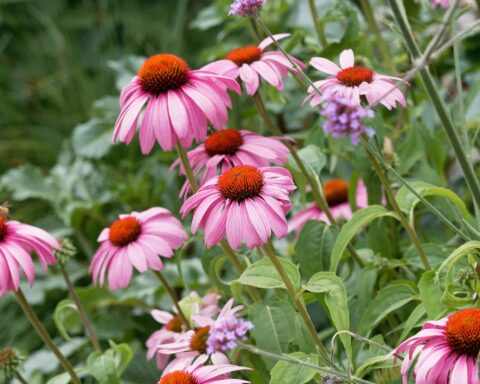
<point>198,342</point>
<point>3,227</point>
<point>225,142</point>
<point>463,331</point>
<point>178,377</point>
<point>124,231</point>
<point>354,76</point>
<point>175,325</point>
<point>240,183</point>
<point>244,55</point>
<point>336,192</point>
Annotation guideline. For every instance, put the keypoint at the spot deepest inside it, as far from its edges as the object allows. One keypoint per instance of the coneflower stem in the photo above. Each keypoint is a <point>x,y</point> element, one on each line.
<point>171,292</point>
<point>20,378</point>
<point>297,299</point>
<point>80,309</point>
<point>42,332</point>
<point>372,24</point>
<point>317,23</point>
<point>182,153</point>
<point>316,191</point>
<point>224,244</point>
<point>393,202</point>
<point>432,90</point>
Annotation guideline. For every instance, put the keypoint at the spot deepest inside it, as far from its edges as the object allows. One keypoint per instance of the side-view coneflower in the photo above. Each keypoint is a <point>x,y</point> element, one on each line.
<point>17,242</point>
<point>228,148</point>
<point>135,240</point>
<point>352,81</point>
<point>185,372</point>
<point>336,194</point>
<point>243,204</point>
<point>179,102</point>
<point>252,62</point>
<point>444,351</point>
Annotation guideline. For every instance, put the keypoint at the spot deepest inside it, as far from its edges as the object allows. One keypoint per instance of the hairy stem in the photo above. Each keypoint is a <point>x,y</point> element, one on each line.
<point>81,311</point>
<point>42,332</point>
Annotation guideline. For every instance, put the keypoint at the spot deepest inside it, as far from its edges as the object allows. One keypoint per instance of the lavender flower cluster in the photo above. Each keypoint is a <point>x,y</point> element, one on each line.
<point>226,333</point>
<point>245,7</point>
<point>344,117</point>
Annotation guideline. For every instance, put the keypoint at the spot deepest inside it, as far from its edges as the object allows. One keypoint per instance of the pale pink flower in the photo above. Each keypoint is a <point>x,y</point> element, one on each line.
<point>179,102</point>
<point>17,242</point>
<point>228,148</point>
<point>444,351</point>
<point>135,240</point>
<point>352,81</point>
<point>252,62</point>
<point>445,4</point>
<point>173,327</point>
<point>197,373</point>
<point>244,204</point>
<point>336,194</point>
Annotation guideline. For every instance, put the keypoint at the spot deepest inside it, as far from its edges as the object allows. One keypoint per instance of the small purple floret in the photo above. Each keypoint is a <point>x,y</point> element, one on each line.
<point>226,333</point>
<point>245,7</point>
<point>344,118</point>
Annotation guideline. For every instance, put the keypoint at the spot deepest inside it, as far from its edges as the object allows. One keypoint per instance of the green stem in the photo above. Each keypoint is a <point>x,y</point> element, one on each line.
<point>393,202</point>
<point>293,360</point>
<point>432,90</point>
<point>174,298</point>
<point>314,184</point>
<point>182,153</point>
<point>42,332</point>
<point>81,311</point>
<point>20,378</point>
<point>256,32</point>
<point>382,46</point>
<point>317,23</point>
<point>297,299</point>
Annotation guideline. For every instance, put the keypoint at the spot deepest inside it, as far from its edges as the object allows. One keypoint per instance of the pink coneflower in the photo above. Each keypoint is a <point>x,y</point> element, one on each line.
<point>245,203</point>
<point>179,101</point>
<point>173,327</point>
<point>135,240</point>
<point>352,81</point>
<point>183,372</point>
<point>446,351</point>
<point>228,148</point>
<point>250,62</point>
<point>336,194</point>
<point>17,241</point>
<point>211,337</point>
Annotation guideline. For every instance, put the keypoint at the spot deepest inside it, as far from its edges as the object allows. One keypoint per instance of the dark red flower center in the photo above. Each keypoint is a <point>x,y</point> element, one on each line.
<point>354,76</point>
<point>463,331</point>
<point>175,325</point>
<point>198,342</point>
<point>3,227</point>
<point>163,72</point>
<point>244,55</point>
<point>178,377</point>
<point>124,231</point>
<point>225,142</point>
<point>240,183</point>
<point>336,192</point>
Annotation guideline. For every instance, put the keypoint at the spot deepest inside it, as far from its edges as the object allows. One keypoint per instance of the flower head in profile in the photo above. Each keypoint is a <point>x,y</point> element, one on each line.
<point>228,148</point>
<point>179,102</point>
<point>187,372</point>
<point>243,204</point>
<point>352,81</point>
<point>246,7</point>
<point>345,118</point>
<point>251,63</point>
<point>135,240</point>
<point>336,193</point>
<point>173,328</point>
<point>17,242</point>
<point>444,351</point>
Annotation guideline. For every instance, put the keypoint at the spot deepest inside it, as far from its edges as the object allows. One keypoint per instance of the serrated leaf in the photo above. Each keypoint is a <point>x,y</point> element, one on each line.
<point>352,227</point>
<point>262,274</point>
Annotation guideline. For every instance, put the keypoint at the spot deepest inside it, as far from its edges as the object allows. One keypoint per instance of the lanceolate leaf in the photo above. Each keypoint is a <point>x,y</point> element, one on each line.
<point>263,274</point>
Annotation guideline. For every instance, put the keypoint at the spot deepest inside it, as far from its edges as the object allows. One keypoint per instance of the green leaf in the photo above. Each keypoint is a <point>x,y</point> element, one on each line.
<point>313,158</point>
<point>292,373</point>
<point>375,362</point>
<point>314,247</point>
<point>414,320</point>
<point>59,316</point>
<point>388,299</point>
<point>262,274</point>
<point>336,300</point>
<point>431,294</point>
<point>351,228</point>
<point>273,327</point>
<point>27,182</point>
<point>407,200</point>
<point>109,366</point>
<point>92,139</point>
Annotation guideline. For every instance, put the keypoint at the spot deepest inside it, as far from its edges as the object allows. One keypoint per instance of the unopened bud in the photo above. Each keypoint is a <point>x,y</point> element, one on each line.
<point>66,252</point>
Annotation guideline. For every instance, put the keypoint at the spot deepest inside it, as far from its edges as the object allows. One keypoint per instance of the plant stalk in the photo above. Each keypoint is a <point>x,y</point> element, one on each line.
<point>42,332</point>
<point>182,153</point>
<point>317,23</point>
<point>81,310</point>
<point>20,378</point>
